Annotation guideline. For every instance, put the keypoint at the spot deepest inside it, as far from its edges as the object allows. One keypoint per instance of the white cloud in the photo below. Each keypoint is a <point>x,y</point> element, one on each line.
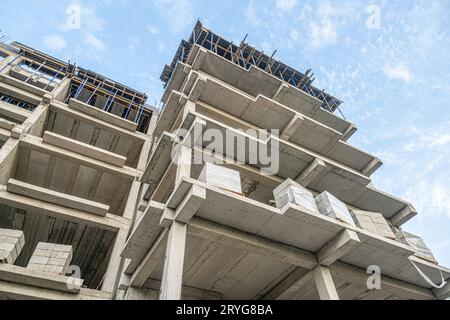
<point>153,30</point>
<point>95,42</point>
<point>441,140</point>
<point>180,13</point>
<point>285,5</point>
<point>161,46</point>
<point>398,72</point>
<point>133,42</point>
<point>55,42</point>
<point>251,14</point>
<point>322,34</point>
<point>89,20</point>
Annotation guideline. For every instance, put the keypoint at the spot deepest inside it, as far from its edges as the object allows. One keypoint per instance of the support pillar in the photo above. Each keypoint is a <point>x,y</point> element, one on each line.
<point>172,279</point>
<point>325,284</point>
<point>115,264</point>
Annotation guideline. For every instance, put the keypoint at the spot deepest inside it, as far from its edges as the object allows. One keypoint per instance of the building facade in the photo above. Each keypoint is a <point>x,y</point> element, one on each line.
<point>243,186</point>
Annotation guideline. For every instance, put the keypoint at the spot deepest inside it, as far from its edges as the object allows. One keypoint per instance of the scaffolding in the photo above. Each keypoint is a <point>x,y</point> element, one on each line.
<point>117,98</point>
<point>246,56</point>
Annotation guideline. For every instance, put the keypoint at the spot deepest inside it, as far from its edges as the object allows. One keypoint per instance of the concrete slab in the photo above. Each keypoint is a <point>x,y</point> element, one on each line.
<point>109,222</point>
<point>102,115</point>
<point>84,149</point>
<point>38,279</point>
<point>144,234</point>
<point>255,81</point>
<point>23,86</point>
<point>58,198</point>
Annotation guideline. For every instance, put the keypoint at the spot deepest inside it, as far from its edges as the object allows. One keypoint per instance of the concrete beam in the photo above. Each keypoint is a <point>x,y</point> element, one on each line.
<point>7,125</point>
<point>348,271</point>
<point>371,167</point>
<point>22,85</point>
<point>150,261</point>
<point>17,291</point>
<point>62,109</point>
<point>61,199</point>
<point>83,149</point>
<point>35,143</point>
<point>198,88</point>
<point>291,285</point>
<point>338,247</point>
<point>150,291</point>
<point>324,283</point>
<point>102,115</point>
<point>13,112</point>
<point>442,293</point>
<point>191,203</point>
<point>316,169</point>
<point>239,239</point>
<point>158,163</point>
<point>172,278</point>
<point>188,292</point>
<point>403,215</point>
<point>20,94</point>
<point>351,129</point>
<point>291,127</point>
<point>33,278</point>
<point>142,228</point>
<point>110,222</point>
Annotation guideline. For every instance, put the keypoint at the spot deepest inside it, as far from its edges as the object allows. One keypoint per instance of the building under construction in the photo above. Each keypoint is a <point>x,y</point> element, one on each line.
<point>105,197</point>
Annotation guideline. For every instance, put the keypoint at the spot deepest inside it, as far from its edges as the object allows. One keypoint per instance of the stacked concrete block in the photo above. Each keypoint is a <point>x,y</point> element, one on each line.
<point>373,222</point>
<point>292,192</point>
<point>419,246</point>
<point>332,207</point>
<point>51,258</point>
<point>11,244</point>
<point>221,177</point>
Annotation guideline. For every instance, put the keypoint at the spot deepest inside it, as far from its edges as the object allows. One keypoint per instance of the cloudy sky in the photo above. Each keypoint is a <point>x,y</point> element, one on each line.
<point>389,61</point>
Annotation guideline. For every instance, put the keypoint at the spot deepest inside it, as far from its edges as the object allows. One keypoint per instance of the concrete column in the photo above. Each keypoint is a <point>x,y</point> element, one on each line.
<point>183,163</point>
<point>35,123</point>
<point>60,92</point>
<point>115,264</point>
<point>8,159</point>
<point>325,284</point>
<point>10,59</point>
<point>172,279</point>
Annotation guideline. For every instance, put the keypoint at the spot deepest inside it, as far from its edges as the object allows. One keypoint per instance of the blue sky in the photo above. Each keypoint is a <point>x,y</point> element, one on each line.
<point>393,73</point>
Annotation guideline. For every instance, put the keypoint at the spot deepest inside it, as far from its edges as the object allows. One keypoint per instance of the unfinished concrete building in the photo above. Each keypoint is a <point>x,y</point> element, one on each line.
<point>104,197</point>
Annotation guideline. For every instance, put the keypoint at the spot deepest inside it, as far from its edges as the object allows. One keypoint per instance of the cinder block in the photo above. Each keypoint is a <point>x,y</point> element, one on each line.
<point>38,260</point>
<point>373,222</point>
<point>332,207</point>
<point>51,258</point>
<point>11,244</point>
<point>45,246</point>
<point>417,243</point>
<point>292,192</point>
<point>221,177</point>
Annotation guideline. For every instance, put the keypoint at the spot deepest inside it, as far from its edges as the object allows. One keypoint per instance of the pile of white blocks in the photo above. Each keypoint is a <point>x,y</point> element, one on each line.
<point>221,177</point>
<point>332,207</point>
<point>51,258</point>
<point>11,244</point>
<point>292,192</point>
<point>419,246</point>
<point>373,222</point>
